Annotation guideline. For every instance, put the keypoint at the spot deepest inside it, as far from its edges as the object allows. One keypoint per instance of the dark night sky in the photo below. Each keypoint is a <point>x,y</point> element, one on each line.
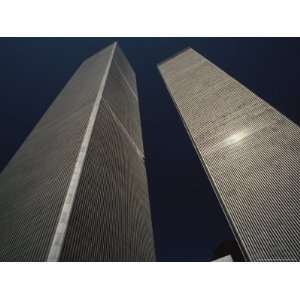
<point>187,219</point>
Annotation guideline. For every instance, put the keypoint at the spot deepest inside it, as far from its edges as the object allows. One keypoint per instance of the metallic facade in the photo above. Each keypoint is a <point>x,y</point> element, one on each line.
<point>76,190</point>
<point>250,151</point>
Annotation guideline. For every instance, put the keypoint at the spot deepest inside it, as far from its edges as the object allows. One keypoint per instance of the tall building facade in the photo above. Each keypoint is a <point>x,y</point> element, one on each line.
<point>250,151</point>
<point>76,190</point>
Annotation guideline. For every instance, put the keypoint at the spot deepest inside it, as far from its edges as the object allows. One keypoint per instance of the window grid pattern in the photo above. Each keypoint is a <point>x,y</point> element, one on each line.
<point>249,150</point>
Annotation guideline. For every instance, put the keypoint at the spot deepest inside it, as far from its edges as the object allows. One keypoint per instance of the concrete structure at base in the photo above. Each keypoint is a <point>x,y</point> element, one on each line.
<point>227,258</point>
<point>76,190</point>
<point>250,151</point>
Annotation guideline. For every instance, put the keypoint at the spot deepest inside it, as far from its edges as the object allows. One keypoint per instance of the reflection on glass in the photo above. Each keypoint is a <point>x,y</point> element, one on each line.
<point>236,137</point>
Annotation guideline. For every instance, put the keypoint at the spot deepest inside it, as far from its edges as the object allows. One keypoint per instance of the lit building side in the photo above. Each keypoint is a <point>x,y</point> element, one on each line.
<point>250,151</point>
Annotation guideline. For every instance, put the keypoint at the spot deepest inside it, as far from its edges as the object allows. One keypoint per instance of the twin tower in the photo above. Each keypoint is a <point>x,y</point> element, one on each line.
<point>76,190</point>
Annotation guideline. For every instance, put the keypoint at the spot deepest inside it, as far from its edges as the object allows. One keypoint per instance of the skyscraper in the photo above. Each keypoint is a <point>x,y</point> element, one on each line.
<point>76,190</point>
<point>250,151</point>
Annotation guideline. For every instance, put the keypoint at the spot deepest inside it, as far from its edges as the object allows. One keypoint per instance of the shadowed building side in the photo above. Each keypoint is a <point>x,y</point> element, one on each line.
<point>249,150</point>
<point>79,151</point>
<point>112,192</point>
